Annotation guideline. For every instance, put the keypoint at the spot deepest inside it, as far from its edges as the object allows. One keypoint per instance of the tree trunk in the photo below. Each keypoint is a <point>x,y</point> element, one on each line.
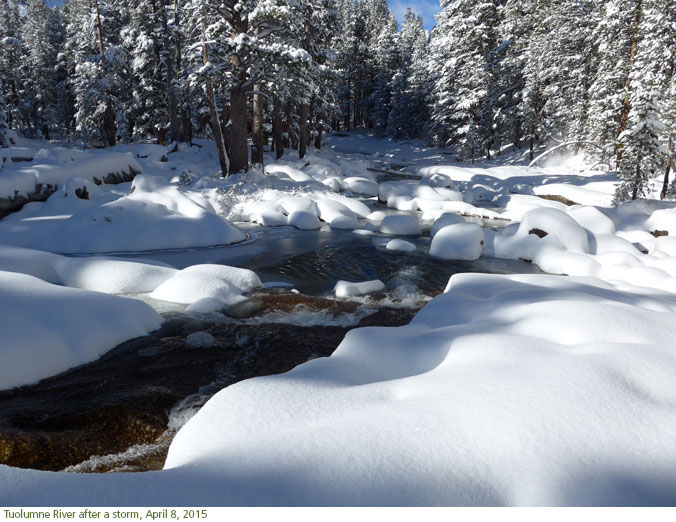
<point>257,133</point>
<point>172,101</point>
<point>109,127</point>
<point>318,138</point>
<point>665,184</point>
<point>99,30</point>
<point>302,130</point>
<point>223,158</point>
<point>239,154</point>
<point>277,129</point>
<point>624,118</point>
<point>287,126</point>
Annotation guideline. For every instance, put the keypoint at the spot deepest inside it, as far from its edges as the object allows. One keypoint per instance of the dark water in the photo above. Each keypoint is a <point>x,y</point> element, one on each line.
<point>312,261</point>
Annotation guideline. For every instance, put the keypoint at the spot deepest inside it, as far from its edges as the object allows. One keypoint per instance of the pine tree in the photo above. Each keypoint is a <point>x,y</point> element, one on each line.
<point>41,41</point>
<point>4,127</point>
<point>642,151</point>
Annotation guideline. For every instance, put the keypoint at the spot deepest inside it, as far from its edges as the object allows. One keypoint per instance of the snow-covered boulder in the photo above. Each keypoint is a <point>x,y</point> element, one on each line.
<point>400,225</point>
<point>363,186</point>
<point>225,283</point>
<point>303,220</point>
<point>558,224</point>
<point>349,289</point>
<point>399,245</point>
<point>462,241</point>
<point>344,223</point>
<point>446,219</point>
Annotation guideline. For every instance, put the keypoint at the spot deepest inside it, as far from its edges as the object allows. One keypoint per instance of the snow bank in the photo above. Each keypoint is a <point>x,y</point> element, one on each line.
<point>47,329</point>
<point>156,215</point>
<point>102,168</point>
<point>521,390</point>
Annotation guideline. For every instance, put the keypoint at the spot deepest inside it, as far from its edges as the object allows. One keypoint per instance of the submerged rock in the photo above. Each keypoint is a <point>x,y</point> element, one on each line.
<point>125,398</point>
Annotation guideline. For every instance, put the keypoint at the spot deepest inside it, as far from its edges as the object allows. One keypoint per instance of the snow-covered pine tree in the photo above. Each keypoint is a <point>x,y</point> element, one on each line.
<point>409,87</point>
<point>387,65</point>
<point>465,37</point>
<point>101,83</point>
<point>614,40</point>
<point>11,52</point>
<point>4,127</point>
<point>41,42</point>
<point>642,151</point>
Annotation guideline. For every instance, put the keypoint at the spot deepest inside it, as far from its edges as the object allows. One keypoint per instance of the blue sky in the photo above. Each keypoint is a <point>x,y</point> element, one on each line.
<point>426,8</point>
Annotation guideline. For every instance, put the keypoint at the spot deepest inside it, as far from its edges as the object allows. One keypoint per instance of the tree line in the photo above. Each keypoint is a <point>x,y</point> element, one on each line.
<point>592,75</point>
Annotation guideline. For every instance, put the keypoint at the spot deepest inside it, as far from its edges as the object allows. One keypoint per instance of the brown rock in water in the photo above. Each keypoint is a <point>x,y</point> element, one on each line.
<point>124,398</point>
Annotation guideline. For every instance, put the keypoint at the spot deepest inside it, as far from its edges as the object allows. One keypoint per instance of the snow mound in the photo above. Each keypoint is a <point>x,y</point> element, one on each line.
<point>47,329</point>
<point>462,241</point>
<point>112,276</point>
<point>349,289</point>
<point>303,220</point>
<point>105,166</point>
<point>507,390</point>
<point>400,224</point>
<point>363,186</point>
<point>399,245</point>
<point>445,220</point>
<point>662,220</point>
<point>224,283</point>
<point>557,224</point>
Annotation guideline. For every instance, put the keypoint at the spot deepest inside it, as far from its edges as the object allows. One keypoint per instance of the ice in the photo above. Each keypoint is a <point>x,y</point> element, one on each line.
<point>400,224</point>
<point>459,241</point>
<point>349,289</point>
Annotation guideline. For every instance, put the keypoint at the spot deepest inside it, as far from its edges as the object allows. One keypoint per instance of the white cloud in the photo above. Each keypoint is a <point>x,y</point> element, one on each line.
<point>426,8</point>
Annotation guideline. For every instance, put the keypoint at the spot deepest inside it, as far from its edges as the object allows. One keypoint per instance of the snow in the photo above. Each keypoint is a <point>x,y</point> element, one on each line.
<point>25,180</point>
<point>446,219</point>
<point>220,282</point>
<point>303,220</point>
<point>47,329</point>
<point>459,241</point>
<point>399,245</point>
<point>349,289</point>
<point>505,390</point>
<point>400,224</point>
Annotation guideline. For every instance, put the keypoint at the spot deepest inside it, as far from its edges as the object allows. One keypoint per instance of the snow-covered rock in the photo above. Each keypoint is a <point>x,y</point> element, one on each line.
<point>303,220</point>
<point>400,224</point>
<point>349,289</point>
<point>399,245</point>
<point>461,241</point>
<point>224,283</point>
<point>446,219</point>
